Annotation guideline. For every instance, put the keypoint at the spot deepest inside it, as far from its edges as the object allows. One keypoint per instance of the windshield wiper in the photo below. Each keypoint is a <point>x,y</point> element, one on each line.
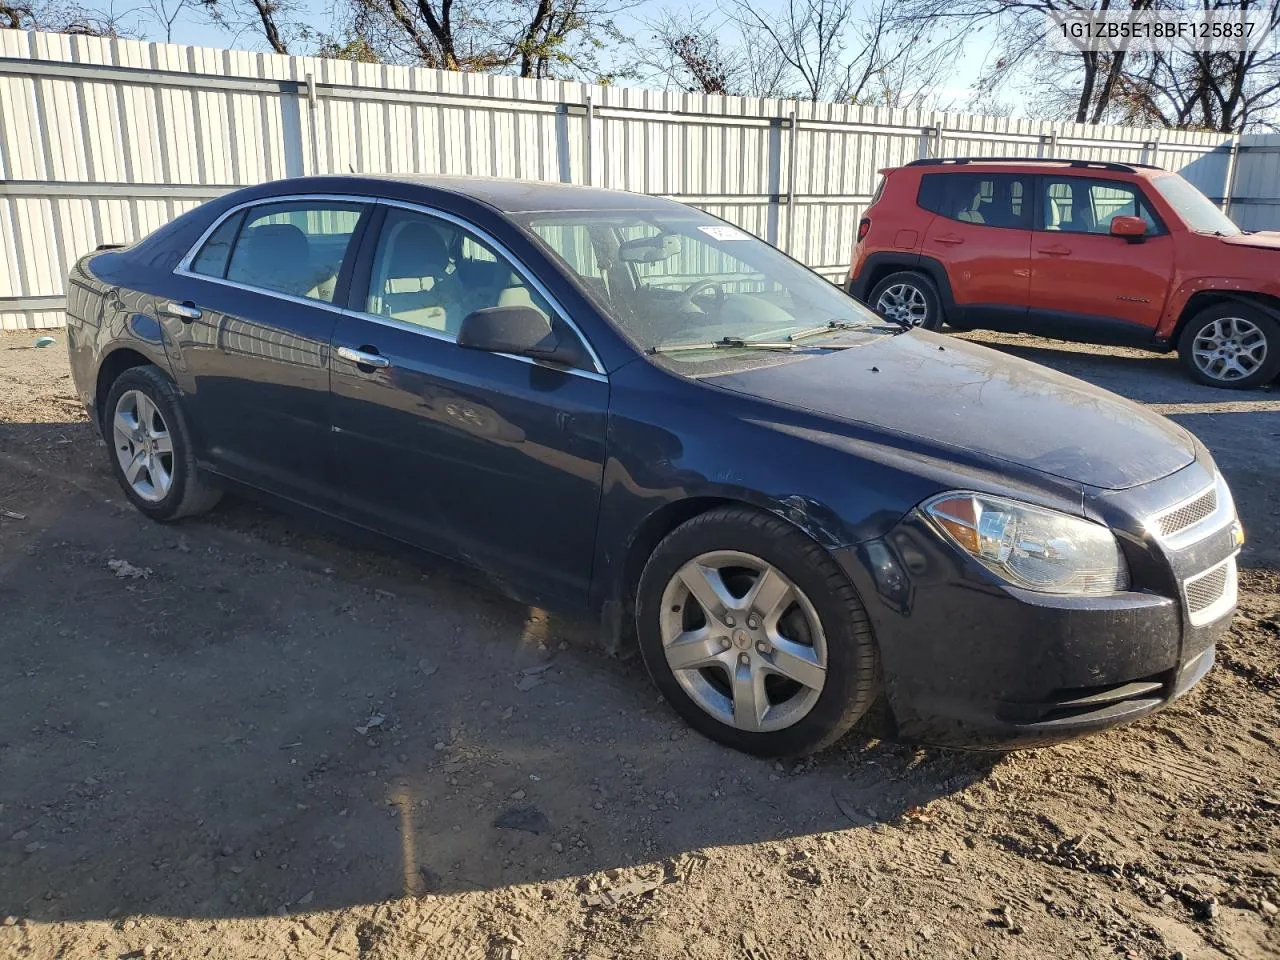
<point>724,343</point>
<point>828,327</point>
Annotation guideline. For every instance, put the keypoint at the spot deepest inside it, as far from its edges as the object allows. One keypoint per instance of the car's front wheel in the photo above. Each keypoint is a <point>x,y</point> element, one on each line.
<point>1233,345</point>
<point>754,634</point>
<point>151,450</point>
<point>908,298</point>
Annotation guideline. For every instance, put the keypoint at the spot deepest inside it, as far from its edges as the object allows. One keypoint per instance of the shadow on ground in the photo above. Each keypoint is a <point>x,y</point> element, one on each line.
<point>252,717</point>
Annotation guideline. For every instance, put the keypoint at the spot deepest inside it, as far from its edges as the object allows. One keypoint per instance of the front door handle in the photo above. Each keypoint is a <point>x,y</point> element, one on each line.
<point>1055,251</point>
<point>183,311</point>
<point>950,239</point>
<point>363,358</point>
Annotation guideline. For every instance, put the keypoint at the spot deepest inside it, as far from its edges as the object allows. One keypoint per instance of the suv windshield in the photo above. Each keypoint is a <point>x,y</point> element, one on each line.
<point>671,280</point>
<point>1196,210</point>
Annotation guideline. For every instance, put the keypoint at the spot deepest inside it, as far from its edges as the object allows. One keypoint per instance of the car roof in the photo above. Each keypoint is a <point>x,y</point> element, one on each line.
<point>1080,168</point>
<point>504,195</point>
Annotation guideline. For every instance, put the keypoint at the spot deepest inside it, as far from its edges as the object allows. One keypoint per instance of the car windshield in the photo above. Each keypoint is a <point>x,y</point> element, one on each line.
<point>1196,210</point>
<point>673,281</point>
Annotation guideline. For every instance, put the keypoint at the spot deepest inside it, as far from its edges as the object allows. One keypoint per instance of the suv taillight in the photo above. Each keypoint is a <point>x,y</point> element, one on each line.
<point>864,225</point>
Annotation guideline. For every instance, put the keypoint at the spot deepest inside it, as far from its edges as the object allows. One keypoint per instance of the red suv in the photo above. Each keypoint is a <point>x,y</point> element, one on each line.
<point>1099,252</point>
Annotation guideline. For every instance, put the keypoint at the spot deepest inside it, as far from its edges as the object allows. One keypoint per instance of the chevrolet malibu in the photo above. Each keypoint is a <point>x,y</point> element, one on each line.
<point>620,405</point>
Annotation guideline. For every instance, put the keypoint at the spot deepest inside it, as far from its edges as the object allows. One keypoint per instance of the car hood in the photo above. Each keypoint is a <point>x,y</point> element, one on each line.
<point>966,396</point>
<point>1267,239</point>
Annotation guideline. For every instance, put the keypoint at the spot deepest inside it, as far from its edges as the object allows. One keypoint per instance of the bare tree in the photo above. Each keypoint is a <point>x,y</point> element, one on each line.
<point>850,51</point>
<point>69,18</point>
<point>699,55</point>
<point>530,38</point>
<point>279,22</point>
<point>166,13</point>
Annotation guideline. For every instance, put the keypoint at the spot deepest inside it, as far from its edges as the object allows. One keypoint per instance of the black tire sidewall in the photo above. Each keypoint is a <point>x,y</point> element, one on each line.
<point>851,657</point>
<point>922,283</point>
<point>1263,321</point>
<point>160,391</point>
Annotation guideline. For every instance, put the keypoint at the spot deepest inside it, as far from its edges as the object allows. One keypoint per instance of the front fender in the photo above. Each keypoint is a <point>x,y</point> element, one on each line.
<point>1229,288</point>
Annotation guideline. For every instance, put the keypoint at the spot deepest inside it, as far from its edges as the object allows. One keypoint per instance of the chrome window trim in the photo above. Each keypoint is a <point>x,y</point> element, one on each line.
<point>1224,513</point>
<point>1221,606</point>
<point>184,269</point>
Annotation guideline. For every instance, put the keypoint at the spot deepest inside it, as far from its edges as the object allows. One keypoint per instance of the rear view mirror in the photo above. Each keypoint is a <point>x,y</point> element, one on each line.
<point>649,249</point>
<point>1133,229</point>
<point>519,330</point>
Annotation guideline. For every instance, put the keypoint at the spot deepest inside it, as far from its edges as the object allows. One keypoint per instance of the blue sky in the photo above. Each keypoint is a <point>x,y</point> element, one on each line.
<point>193,28</point>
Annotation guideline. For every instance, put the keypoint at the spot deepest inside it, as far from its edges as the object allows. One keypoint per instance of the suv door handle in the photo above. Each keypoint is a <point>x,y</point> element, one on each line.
<point>362,358</point>
<point>950,239</point>
<point>183,311</point>
<point>1055,251</point>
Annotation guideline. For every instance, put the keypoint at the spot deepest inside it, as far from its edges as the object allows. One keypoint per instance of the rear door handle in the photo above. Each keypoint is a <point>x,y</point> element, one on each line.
<point>183,311</point>
<point>950,239</point>
<point>1055,251</point>
<point>363,358</point>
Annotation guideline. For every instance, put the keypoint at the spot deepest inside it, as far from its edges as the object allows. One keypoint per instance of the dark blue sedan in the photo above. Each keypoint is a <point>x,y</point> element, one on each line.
<point>619,404</point>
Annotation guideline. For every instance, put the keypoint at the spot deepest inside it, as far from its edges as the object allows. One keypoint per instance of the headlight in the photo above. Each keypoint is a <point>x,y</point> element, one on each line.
<point>1031,547</point>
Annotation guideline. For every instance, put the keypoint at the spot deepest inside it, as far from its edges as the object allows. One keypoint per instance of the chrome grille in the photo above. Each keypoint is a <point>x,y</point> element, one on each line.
<point>1188,514</point>
<point>1211,594</point>
<point>1206,588</point>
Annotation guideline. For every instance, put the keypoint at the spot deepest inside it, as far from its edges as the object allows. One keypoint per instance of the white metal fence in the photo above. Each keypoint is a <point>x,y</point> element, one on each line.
<point>103,140</point>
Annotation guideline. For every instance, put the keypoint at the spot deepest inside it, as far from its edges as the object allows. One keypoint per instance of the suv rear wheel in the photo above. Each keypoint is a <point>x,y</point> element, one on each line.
<point>1233,345</point>
<point>909,298</point>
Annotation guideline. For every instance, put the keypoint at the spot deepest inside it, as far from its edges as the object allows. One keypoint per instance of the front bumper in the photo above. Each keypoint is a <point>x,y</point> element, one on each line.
<point>969,661</point>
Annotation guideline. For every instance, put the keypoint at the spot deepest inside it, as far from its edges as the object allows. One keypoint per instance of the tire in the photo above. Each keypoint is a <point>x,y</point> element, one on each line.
<point>916,297</point>
<point>1233,345</point>
<point>795,718</point>
<point>186,492</point>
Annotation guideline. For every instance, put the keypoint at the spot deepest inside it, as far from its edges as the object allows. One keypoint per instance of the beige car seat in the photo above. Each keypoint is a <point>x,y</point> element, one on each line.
<point>277,256</point>
<point>415,284</point>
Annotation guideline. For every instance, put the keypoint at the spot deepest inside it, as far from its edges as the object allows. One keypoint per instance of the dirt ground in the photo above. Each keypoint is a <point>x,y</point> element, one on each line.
<point>258,742</point>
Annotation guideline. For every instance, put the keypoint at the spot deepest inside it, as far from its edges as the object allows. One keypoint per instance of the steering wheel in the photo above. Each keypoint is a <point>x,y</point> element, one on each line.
<point>691,291</point>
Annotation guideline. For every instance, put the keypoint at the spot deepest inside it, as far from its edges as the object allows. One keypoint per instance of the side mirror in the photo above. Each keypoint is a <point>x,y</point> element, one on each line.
<point>1133,229</point>
<point>520,330</point>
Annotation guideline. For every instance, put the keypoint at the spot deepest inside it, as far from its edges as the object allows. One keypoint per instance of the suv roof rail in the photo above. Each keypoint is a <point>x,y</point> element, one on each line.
<point>1079,164</point>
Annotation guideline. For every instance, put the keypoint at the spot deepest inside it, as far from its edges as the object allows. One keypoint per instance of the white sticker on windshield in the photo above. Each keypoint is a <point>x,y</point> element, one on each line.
<point>718,231</point>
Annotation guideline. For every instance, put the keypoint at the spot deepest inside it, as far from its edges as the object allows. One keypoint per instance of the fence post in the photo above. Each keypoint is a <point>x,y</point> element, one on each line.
<point>1233,168</point>
<point>1151,152</point>
<point>590,158</point>
<point>1049,144</point>
<point>311,123</point>
<point>791,181</point>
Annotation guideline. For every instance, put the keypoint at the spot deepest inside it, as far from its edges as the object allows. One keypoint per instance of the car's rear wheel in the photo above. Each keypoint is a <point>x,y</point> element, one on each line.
<point>1233,345</point>
<point>151,451</point>
<point>754,634</point>
<point>909,298</point>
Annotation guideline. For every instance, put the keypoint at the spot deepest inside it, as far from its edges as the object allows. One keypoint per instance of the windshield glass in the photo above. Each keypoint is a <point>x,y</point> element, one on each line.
<point>686,278</point>
<point>1196,210</point>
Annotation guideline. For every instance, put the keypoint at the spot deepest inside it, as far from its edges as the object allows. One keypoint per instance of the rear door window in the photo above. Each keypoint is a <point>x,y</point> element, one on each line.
<point>296,248</point>
<point>985,199</point>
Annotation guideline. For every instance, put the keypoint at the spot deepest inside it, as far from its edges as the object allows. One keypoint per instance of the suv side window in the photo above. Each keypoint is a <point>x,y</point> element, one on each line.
<point>990,199</point>
<point>1080,205</point>
<point>295,247</point>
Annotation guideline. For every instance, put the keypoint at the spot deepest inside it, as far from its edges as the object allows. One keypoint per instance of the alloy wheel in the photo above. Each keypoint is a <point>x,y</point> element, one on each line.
<point>1229,348</point>
<point>904,303</point>
<point>144,448</point>
<point>743,641</point>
